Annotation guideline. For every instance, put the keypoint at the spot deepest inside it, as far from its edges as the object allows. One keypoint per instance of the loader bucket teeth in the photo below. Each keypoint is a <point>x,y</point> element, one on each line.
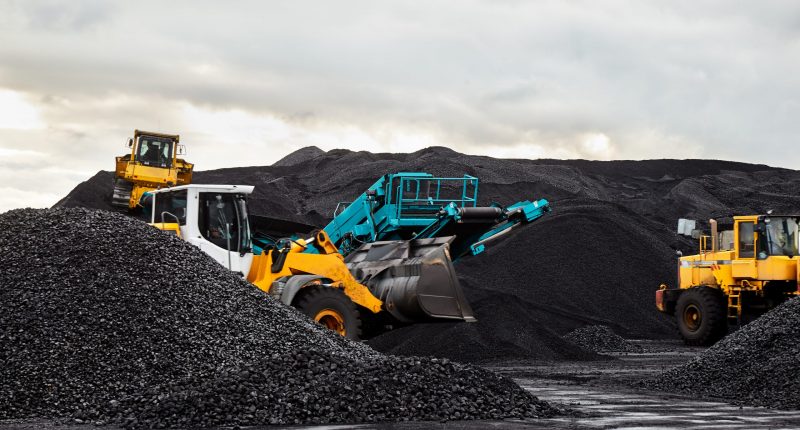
<point>415,279</point>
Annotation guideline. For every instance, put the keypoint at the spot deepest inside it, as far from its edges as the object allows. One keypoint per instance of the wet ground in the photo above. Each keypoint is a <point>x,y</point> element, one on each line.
<point>600,393</point>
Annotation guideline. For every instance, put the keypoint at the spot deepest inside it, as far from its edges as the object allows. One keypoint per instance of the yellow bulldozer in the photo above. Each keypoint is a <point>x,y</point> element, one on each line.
<point>152,163</point>
<point>746,266</point>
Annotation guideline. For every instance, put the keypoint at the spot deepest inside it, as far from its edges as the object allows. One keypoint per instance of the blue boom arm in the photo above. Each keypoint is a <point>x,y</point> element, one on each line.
<point>414,205</point>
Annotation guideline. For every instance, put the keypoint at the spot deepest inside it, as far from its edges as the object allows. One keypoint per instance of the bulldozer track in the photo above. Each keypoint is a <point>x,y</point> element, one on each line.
<point>122,193</point>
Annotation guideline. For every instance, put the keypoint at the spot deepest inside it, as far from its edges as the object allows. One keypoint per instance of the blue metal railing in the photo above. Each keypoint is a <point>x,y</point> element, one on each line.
<point>430,199</point>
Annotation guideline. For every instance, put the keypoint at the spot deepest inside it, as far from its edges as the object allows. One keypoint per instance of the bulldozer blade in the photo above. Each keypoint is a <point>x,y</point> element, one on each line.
<point>415,279</point>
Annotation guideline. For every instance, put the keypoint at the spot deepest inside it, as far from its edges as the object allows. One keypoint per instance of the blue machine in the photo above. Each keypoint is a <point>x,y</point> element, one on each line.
<point>401,236</point>
<point>414,205</point>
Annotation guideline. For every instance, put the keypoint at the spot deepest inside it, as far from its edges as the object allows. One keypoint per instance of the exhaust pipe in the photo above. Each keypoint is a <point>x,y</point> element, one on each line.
<point>714,235</point>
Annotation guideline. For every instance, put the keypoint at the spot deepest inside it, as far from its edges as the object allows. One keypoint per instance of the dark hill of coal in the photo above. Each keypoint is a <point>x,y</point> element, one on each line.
<point>586,263</point>
<point>595,260</point>
<point>309,183</point>
<point>757,365</point>
<point>507,329</point>
<point>299,156</point>
<point>103,318</point>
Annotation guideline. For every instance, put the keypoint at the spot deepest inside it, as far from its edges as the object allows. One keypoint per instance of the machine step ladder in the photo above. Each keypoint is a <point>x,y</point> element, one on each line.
<point>735,307</point>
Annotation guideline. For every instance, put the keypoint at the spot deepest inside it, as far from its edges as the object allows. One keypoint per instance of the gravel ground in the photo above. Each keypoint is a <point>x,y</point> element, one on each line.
<point>758,364</point>
<point>105,319</point>
<point>599,338</point>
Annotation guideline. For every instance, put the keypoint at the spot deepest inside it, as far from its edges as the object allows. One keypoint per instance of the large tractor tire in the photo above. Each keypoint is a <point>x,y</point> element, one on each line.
<point>700,313</point>
<point>332,309</point>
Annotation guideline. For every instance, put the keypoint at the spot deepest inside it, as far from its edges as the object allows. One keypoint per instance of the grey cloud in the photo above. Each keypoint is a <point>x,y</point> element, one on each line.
<point>714,79</point>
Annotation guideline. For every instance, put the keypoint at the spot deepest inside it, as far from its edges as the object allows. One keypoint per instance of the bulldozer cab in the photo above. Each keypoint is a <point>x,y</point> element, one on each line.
<point>155,149</point>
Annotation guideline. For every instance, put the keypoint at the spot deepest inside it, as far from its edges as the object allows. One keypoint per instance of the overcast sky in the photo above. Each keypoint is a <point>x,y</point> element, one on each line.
<point>245,83</point>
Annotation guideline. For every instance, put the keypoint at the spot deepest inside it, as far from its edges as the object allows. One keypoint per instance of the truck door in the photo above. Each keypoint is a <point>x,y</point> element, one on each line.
<point>224,227</point>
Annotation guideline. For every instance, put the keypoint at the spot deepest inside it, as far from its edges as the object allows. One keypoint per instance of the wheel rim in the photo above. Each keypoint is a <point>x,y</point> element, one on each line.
<point>331,320</point>
<point>692,317</point>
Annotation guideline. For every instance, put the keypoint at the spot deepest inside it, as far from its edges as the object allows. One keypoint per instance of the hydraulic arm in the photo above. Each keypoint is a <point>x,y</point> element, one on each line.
<point>413,205</point>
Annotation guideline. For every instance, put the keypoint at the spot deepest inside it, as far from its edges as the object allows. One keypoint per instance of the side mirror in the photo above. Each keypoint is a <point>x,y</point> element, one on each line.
<point>130,142</point>
<point>181,149</point>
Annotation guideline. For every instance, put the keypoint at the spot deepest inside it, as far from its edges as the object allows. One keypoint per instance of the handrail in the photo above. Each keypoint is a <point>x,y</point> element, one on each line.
<point>468,197</point>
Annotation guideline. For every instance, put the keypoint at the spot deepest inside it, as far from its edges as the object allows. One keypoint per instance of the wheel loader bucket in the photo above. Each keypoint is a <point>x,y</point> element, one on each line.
<point>415,279</point>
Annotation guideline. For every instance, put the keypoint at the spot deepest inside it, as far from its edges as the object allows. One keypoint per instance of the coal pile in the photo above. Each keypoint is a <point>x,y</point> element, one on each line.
<point>105,319</point>
<point>586,263</point>
<point>758,364</point>
<point>599,338</point>
<point>310,387</point>
<point>506,331</point>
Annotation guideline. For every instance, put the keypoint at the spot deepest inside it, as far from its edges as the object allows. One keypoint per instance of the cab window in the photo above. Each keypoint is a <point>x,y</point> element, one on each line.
<point>171,207</point>
<point>223,221</point>
<point>155,152</point>
<point>779,237</point>
<point>747,248</point>
<point>218,221</point>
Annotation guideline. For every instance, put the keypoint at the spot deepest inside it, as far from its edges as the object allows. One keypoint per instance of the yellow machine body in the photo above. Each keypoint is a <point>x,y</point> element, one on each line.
<point>135,175</point>
<point>742,271</point>
<point>736,265</point>
<point>169,227</point>
<point>328,264</point>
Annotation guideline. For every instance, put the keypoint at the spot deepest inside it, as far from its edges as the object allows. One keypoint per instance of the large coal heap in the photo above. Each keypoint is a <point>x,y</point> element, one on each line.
<point>596,259</point>
<point>106,319</point>
<point>757,365</point>
<point>307,184</point>
<point>586,263</point>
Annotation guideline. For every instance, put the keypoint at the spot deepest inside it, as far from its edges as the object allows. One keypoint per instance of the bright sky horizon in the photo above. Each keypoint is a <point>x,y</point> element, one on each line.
<point>247,82</point>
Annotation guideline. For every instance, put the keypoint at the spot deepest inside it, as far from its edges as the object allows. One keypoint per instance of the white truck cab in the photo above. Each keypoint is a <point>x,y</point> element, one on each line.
<point>213,218</point>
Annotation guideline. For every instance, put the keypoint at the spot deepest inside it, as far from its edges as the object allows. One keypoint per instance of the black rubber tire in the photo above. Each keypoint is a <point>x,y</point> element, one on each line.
<point>701,316</point>
<point>314,299</point>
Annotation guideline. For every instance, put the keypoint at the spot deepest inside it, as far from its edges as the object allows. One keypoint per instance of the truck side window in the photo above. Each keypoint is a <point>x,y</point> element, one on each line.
<point>218,220</point>
<point>170,206</point>
<point>747,248</point>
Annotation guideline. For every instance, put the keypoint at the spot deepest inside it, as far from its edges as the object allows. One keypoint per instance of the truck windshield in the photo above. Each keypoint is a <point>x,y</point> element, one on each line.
<point>155,151</point>
<point>780,237</point>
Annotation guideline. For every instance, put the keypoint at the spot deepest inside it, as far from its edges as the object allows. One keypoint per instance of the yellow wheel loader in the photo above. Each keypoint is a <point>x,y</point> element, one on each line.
<point>748,265</point>
<point>354,291</point>
<point>152,163</point>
